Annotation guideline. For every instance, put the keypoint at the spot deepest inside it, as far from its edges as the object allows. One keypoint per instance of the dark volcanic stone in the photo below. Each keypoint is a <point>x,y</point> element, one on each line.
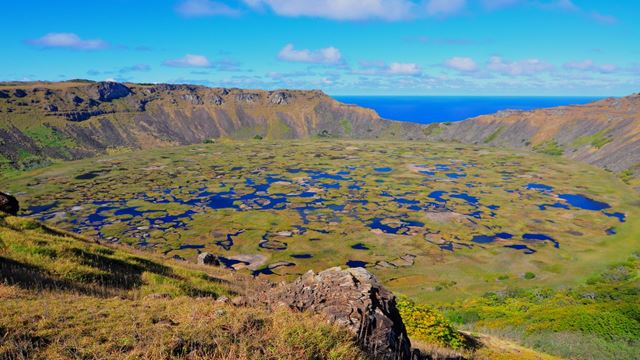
<point>206,258</point>
<point>9,204</point>
<point>51,108</point>
<point>77,100</point>
<point>353,299</point>
<point>19,93</point>
<point>3,94</point>
<point>108,91</point>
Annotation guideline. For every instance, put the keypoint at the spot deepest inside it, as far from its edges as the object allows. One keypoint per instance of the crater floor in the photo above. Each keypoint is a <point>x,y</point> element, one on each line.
<point>433,221</point>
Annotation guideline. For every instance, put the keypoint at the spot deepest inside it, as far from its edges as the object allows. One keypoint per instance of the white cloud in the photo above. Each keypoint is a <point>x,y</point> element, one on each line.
<point>444,7</point>
<point>464,64</point>
<point>69,41</point>
<point>194,8</point>
<point>381,68</point>
<point>404,69</point>
<point>521,67</point>
<point>328,56</point>
<point>190,60</point>
<point>390,10</point>
<point>589,65</point>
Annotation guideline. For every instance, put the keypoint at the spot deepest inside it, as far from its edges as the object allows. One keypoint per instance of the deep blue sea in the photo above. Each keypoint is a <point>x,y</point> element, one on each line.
<point>428,109</point>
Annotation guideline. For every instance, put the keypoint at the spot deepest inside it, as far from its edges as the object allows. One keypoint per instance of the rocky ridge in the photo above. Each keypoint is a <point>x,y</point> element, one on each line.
<point>42,121</point>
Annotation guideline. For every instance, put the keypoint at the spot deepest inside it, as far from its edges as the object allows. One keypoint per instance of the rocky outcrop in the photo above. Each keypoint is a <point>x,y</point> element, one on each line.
<point>352,298</point>
<point>247,97</point>
<point>281,97</point>
<point>19,93</point>
<point>9,204</point>
<point>108,91</point>
<point>206,258</point>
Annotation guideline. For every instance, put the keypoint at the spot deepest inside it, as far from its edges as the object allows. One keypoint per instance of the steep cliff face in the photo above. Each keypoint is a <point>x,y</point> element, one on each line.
<point>69,120</point>
<point>605,133</point>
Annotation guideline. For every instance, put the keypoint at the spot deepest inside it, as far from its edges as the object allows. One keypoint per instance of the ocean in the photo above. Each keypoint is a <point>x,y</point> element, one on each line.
<point>429,109</point>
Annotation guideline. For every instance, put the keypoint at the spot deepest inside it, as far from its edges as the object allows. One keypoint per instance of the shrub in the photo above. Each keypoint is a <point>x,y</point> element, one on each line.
<point>424,323</point>
<point>529,275</point>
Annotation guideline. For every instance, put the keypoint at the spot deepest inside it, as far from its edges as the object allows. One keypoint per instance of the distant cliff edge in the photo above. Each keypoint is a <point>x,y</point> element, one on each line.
<point>41,121</point>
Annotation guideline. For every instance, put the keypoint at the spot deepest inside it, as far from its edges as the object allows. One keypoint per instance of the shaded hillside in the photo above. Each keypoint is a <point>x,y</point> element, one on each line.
<point>605,133</point>
<point>70,120</point>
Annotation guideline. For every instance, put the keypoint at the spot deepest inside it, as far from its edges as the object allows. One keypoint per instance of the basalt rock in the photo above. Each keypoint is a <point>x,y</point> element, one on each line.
<point>352,298</point>
<point>9,204</point>
<point>206,258</point>
<point>108,91</point>
<point>19,93</point>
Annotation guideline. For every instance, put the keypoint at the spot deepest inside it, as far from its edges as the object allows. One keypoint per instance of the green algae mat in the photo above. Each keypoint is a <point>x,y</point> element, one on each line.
<point>432,221</point>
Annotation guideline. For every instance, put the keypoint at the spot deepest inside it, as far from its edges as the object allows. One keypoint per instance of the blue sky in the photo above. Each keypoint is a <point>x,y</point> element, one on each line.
<point>385,47</point>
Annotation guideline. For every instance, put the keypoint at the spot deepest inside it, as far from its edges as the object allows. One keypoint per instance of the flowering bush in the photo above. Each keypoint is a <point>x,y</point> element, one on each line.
<point>424,323</point>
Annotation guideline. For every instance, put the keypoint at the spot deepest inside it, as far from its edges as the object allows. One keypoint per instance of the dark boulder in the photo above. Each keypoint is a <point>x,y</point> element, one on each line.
<point>9,204</point>
<point>206,258</point>
<point>51,108</point>
<point>77,100</point>
<point>108,91</point>
<point>19,93</point>
<point>4,94</point>
<point>352,298</point>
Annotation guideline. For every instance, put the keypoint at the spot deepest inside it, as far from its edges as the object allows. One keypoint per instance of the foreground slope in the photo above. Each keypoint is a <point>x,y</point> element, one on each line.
<point>66,297</point>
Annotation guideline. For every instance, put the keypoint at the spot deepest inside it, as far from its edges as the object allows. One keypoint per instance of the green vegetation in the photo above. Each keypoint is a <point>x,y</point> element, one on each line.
<point>494,135</point>
<point>48,137</point>
<point>433,129</point>
<point>597,140</point>
<point>425,324</point>
<point>549,147</point>
<point>63,296</point>
<point>597,319</point>
<point>347,128</point>
<point>529,275</point>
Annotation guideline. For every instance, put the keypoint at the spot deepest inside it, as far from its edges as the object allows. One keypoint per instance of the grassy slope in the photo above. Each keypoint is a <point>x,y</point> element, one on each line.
<point>597,319</point>
<point>64,297</point>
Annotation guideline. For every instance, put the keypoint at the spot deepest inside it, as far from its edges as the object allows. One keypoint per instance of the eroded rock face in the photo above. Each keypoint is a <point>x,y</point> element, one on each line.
<point>352,298</point>
<point>281,98</point>
<point>9,204</point>
<point>247,97</point>
<point>108,91</point>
